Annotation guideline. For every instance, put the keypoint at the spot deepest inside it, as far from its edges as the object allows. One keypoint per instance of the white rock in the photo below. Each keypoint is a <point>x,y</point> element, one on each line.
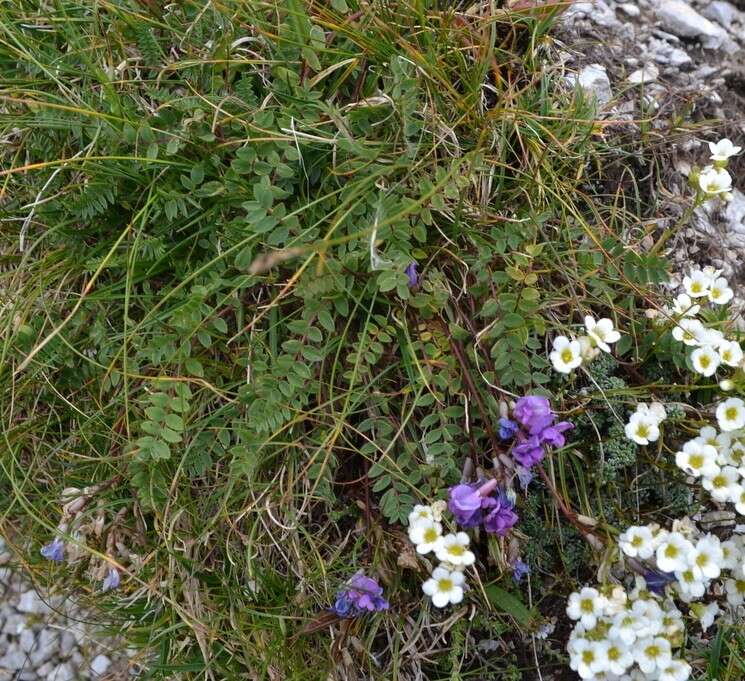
<point>45,670</point>
<point>27,640</point>
<point>46,646</point>
<point>647,74</point>
<point>32,604</point>
<point>664,53</point>
<point>630,9</point>
<point>14,658</point>
<point>100,665</point>
<point>62,672</point>
<point>603,15</point>
<point>682,20</point>
<point>14,624</point>
<point>66,644</point>
<point>593,79</point>
<point>723,13</point>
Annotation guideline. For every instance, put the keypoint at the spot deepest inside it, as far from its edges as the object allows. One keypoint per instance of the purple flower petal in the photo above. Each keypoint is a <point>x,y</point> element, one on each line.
<point>507,428</point>
<point>112,580</point>
<point>465,505</point>
<point>54,550</point>
<point>413,275</point>
<point>534,413</point>
<point>520,570</point>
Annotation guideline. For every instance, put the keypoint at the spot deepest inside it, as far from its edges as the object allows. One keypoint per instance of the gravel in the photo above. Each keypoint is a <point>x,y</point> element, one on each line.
<point>48,638</point>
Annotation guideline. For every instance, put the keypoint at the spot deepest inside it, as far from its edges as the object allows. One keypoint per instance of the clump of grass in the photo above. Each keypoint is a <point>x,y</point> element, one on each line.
<point>210,209</point>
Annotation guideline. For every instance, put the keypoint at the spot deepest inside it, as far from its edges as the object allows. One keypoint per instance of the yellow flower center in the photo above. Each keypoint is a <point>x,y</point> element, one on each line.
<point>636,541</point>
<point>566,355</point>
<point>704,361</point>
<point>456,550</point>
<point>586,606</point>
<point>696,285</point>
<point>696,461</point>
<point>719,481</point>
<point>445,584</point>
<point>702,559</point>
<point>671,551</point>
<point>642,430</point>
<point>730,413</point>
<point>588,656</point>
<point>652,651</point>
<point>430,535</point>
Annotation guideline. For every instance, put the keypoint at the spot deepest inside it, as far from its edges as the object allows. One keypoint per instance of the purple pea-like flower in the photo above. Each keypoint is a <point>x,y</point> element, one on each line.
<point>507,428</point>
<point>54,550</point>
<point>468,501</point>
<point>529,451</point>
<point>554,435</point>
<point>533,412</point>
<point>412,274</point>
<point>362,594</point>
<point>112,580</point>
<point>501,517</point>
<point>520,570</point>
<point>657,580</point>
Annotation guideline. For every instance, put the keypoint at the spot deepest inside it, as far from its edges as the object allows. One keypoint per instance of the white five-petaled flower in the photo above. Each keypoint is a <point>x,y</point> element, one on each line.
<point>705,360</point>
<point>719,292</point>
<point>586,658</point>
<point>586,606</point>
<point>730,352</point>
<point>689,331</point>
<point>617,657</point>
<point>698,459</point>
<point>637,541</point>
<point>715,181</point>
<point>672,553</point>
<point>454,550</point>
<point>419,513</point>
<point>723,486</point>
<point>723,150</point>
<point>566,355</point>
<point>653,654</point>
<point>683,306</point>
<point>601,332</point>
<point>677,670</point>
<point>731,414</point>
<point>444,587</point>
<point>697,284</point>
<point>706,558</point>
<point>642,428</point>
<point>690,585</point>
<point>426,535</point>
<point>735,589</point>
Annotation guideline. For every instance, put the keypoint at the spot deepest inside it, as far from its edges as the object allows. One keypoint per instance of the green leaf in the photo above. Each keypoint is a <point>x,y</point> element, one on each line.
<point>510,604</point>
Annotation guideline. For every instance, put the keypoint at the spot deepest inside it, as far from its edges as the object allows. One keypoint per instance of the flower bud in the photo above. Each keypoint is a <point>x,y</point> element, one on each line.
<point>726,385</point>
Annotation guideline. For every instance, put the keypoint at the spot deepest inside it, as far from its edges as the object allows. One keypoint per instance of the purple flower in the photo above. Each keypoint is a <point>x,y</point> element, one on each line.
<point>507,428</point>
<point>54,550</point>
<point>467,502</point>
<point>111,580</point>
<point>362,594</point>
<point>520,570</point>
<point>528,452</point>
<point>534,413</point>
<point>657,580</point>
<point>501,516</point>
<point>413,275</point>
<point>553,435</point>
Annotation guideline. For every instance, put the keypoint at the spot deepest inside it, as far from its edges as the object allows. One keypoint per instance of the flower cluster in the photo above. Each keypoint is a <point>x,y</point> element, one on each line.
<point>568,353</point>
<point>360,595</point>
<point>712,349</point>
<point>536,428</point>
<point>644,424</point>
<point>473,505</point>
<point>625,636</point>
<point>718,458</point>
<point>715,180</point>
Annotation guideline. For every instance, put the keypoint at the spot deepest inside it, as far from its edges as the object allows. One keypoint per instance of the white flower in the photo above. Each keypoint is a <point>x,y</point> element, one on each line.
<point>438,508</point>
<point>655,410</point>
<point>672,553</point>
<point>444,587</point>
<point>698,459</point>
<point>618,657</point>
<point>731,414</point>
<point>690,586</point>
<point>683,306</point>
<point>586,606</point>
<point>587,658</point>
<point>567,355</point>
<point>697,284</point>
<point>715,181</point>
<point>720,293</point>
<point>735,589</point>
<point>706,558</point>
<point>731,556</point>
<point>588,351</point>
<point>653,654</point>
<point>427,535</point>
<point>689,331</point>
<point>642,428</point>
<point>626,626</point>
<point>706,614</point>
<point>637,541</point>
<point>730,352</point>
<point>420,512</point>
<point>725,385</point>
<point>677,670</point>
<point>723,485</point>
<point>723,150</point>
<point>602,332</point>
<point>615,602</point>
<point>454,550</point>
<point>739,499</point>
<point>705,360</point>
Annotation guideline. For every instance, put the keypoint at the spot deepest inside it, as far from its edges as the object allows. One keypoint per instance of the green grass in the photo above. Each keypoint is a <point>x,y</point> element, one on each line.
<point>207,215</point>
